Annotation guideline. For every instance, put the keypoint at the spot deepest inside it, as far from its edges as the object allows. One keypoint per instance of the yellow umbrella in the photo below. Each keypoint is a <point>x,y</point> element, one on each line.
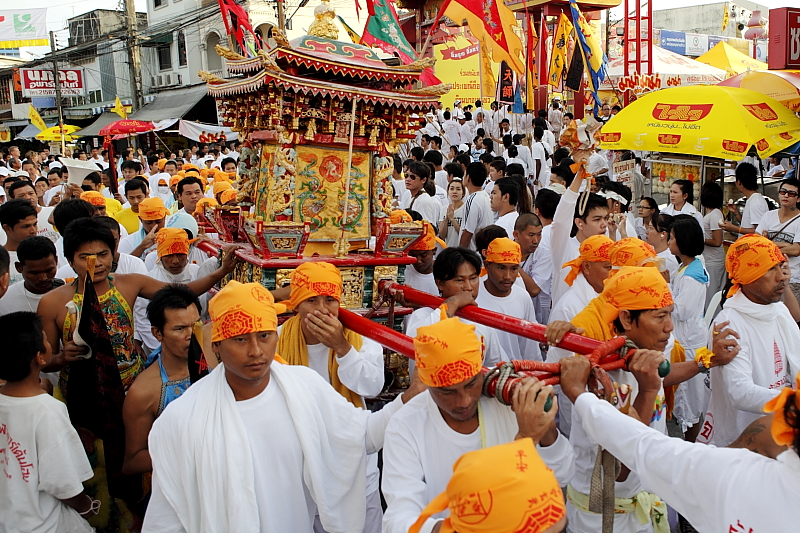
<point>54,133</point>
<point>706,120</point>
<point>730,59</point>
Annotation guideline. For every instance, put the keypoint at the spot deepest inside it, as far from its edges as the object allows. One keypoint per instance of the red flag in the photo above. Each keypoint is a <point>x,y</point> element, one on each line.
<point>492,23</point>
<point>239,21</point>
<point>531,78</point>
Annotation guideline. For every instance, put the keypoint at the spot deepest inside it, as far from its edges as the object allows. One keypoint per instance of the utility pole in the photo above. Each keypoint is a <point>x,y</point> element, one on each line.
<point>57,81</point>
<point>281,17</point>
<point>134,57</point>
<point>608,32</point>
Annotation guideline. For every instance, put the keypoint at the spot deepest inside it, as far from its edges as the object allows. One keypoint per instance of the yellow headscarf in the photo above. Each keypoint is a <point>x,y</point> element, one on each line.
<point>782,433</point>
<point>749,258</point>
<point>632,252</point>
<point>427,240</point>
<point>503,250</point>
<point>171,241</point>
<point>308,280</point>
<point>594,249</point>
<point>505,488</point>
<point>448,352</point>
<point>241,308</point>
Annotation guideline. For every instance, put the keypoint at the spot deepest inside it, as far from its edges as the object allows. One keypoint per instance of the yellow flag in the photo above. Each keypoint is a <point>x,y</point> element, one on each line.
<point>350,31</point>
<point>725,16</point>
<point>36,118</point>
<point>119,109</point>
<point>558,58</point>
<point>488,83</point>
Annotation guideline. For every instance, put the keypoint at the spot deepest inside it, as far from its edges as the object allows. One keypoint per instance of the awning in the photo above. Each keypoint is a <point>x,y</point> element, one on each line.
<point>93,129</point>
<point>31,131</point>
<point>171,104</point>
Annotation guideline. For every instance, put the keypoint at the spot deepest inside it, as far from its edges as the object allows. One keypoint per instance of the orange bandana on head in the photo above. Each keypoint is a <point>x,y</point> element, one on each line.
<point>190,166</point>
<point>399,216</point>
<point>427,240</point>
<point>634,289</point>
<point>202,202</point>
<point>220,186</point>
<point>314,279</point>
<point>503,250</point>
<point>221,176</point>
<point>173,181</point>
<point>447,352</point>
<point>594,249</point>
<point>152,209</point>
<point>227,196</point>
<point>632,252</point>
<point>161,163</point>
<point>241,308</point>
<point>503,488</point>
<point>204,172</point>
<point>172,241</point>
<point>94,198</point>
<point>749,258</point>
<point>782,433</point>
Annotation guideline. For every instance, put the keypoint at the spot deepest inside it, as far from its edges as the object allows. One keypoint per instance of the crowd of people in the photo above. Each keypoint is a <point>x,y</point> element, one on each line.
<point>137,397</point>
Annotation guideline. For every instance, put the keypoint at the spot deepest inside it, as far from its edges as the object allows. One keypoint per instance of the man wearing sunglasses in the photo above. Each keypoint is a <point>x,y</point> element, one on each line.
<point>782,226</point>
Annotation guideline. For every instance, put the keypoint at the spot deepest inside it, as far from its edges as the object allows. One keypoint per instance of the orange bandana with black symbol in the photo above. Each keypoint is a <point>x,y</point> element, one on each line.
<point>240,309</point>
<point>447,352</point>
<point>503,250</point>
<point>505,488</point>
<point>632,252</point>
<point>314,279</point>
<point>594,249</point>
<point>749,258</point>
<point>200,208</point>
<point>171,241</point>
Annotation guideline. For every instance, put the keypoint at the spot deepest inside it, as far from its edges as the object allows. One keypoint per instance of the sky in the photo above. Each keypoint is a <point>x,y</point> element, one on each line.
<point>59,12</point>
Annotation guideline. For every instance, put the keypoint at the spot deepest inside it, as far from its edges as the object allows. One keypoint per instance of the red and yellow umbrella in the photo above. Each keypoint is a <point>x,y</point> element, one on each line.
<point>782,85</point>
<point>127,127</point>
<point>709,120</point>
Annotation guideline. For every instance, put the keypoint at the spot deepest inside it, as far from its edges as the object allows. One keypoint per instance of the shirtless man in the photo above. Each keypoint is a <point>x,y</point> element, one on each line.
<point>172,313</point>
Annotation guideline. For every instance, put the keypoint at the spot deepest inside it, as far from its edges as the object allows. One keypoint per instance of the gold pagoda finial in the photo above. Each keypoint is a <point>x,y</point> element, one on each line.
<point>323,25</point>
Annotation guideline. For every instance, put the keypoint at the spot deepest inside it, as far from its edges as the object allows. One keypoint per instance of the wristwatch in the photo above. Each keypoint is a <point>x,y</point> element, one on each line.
<point>702,368</point>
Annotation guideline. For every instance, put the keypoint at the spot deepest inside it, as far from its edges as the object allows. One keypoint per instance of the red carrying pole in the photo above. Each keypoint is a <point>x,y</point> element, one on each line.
<point>517,326</point>
<point>394,340</point>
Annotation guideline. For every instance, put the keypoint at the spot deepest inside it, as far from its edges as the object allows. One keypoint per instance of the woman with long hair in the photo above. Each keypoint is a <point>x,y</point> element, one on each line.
<point>713,252</point>
<point>450,226</point>
<point>658,233</point>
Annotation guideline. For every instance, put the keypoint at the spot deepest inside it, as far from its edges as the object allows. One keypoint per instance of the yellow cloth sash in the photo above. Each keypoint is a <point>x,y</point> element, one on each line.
<point>292,346</point>
<point>647,506</point>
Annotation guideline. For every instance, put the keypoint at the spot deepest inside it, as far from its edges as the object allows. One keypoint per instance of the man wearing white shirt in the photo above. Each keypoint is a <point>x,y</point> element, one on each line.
<point>429,433</point>
<point>502,294</point>
<point>436,159</point>
<point>415,196</point>
<point>768,339</point>
<point>26,191</point>
<point>477,206</point>
<point>36,263</point>
<point>592,221</point>
<point>503,197</point>
<point>466,129</point>
<point>451,130</point>
<point>598,164</point>
<point>755,207</point>
<point>538,265</point>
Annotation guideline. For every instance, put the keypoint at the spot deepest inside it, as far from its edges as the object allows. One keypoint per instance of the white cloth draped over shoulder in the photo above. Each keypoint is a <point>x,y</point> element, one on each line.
<point>203,462</point>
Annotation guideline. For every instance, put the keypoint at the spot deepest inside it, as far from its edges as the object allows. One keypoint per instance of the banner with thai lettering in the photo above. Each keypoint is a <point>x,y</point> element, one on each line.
<point>206,133</point>
<point>458,62</point>
<point>23,27</point>
<point>41,82</point>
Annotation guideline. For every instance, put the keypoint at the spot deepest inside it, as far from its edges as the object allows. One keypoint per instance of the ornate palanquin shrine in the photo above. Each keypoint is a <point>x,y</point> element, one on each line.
<point>306,111</point>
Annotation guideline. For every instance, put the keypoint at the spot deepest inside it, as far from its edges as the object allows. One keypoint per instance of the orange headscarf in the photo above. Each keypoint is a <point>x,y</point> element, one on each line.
<point>94,197</point>
<point>635,289</point>
<point>749,258</point>
<point>204,172</point>
<point>200,208</point>
<point>428,239</point>
<point>782,433</point>
<point>398,216</point>
<point>227,196</point>
<point>190,166</point>
<point>314,278</point>
<point>172,241</point>
<point>448,352</point>
<point>173,181</point>
<point>503,488</point>
<point>241,308</point>
<point>594,249</point>
<point>221,176</point>
<point>220,186</point>
<point>632,252</point>
<point>503,250</point>
<point>161,163</point>
<point>152,209</point>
